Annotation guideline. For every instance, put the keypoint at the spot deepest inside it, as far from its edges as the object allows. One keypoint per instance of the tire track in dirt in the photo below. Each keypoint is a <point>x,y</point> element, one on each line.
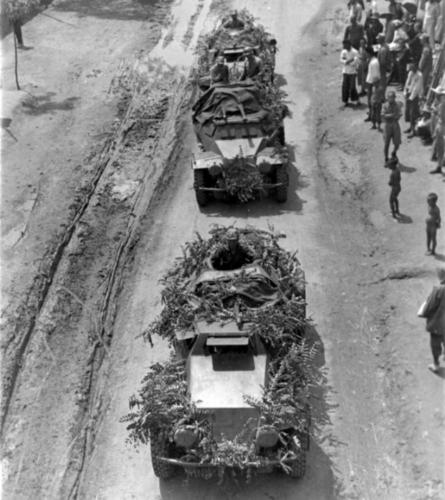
<point>160,147</point>
<point>140,208</point>
<point>42,284</point>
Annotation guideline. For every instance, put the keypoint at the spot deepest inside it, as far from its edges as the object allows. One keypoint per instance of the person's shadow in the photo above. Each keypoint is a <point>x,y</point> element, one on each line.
<point>440,372</point>
<point>406,169</point>
<point>440,257</point>
<point>404,219</point>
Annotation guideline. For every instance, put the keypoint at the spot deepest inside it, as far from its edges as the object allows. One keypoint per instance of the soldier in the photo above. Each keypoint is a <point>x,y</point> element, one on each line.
<point>252,65</point>
<point>219,73</point>
<point>232,255</point>
<point>234,22</point>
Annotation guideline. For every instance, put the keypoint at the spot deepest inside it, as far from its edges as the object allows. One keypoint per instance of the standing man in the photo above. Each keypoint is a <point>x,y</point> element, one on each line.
<point>385,61</point>
<point>391,113</point>
<point>354,33</point>
<point>426,61</point>
<point>373,28</point>
<point>413,93</point>
<point>432,14</point>
<point>372,80</point>
<point>349,58</point>
<point>434,312</point>
<point>395,179</point>
<point>439,132</point>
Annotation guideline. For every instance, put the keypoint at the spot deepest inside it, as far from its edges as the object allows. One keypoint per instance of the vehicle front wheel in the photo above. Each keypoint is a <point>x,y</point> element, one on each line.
<point>282,136</point>
<point>298,467</point>
<point>202,197</point>
<point>281,178</point>
<point>159,448</point>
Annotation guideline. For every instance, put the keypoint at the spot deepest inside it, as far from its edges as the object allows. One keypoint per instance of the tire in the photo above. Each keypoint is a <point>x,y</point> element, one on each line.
<point>282,136</point>
<point>159,448</point>
<point>304,439</point>
<point>298,467</point>
<point>202,197</point>
<point>281,177</point>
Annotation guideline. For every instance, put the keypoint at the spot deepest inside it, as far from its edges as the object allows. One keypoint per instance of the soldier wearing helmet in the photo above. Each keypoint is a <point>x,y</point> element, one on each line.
<point>219,73</point>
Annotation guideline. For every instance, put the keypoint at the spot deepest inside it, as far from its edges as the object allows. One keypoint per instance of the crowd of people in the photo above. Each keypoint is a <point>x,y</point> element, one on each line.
<point>396,48</point>
<point>392,50</point>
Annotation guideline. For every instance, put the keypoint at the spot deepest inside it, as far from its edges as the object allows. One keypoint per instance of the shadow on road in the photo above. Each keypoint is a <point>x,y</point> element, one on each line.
<point>138,10</point>
<point>406,169</point>
<point>44,103</point>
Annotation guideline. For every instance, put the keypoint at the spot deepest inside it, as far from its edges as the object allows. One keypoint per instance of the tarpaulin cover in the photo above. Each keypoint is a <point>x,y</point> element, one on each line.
<point>234,100</point>
<point>252,284</point>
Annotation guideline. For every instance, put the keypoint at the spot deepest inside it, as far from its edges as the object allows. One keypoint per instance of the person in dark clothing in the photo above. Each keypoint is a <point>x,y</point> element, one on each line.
<point>233,22</point>
<point>373,27</point>
<point>354,33</point>
<point>426,61</point>
<point>219,73</point>
<point>385,61</point>
<point>395,184</point>
<point>396,9</point>
<point>415,44</point>
<point>434,312</point>
<point>252,65</point>
<point>232,255</point>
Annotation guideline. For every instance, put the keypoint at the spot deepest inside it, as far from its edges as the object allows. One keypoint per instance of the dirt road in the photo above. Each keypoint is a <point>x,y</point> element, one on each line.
<point>374,437</point>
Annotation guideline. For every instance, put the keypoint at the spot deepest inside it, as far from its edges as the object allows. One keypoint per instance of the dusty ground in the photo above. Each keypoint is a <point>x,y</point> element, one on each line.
<point>93,218</point>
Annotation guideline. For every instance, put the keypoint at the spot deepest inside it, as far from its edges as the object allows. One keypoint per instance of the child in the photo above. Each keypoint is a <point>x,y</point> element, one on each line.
<point>432,223</point>
<point>395,183</point>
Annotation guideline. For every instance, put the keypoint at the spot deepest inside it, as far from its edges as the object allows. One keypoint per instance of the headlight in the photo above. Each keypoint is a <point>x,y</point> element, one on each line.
<point>266,436</point>
<point>215,170</point>
<point>186,436</point>
<point>264,168</point>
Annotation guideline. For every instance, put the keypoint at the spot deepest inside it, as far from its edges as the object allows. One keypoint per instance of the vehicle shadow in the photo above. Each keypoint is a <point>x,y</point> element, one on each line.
<point>318,483</point>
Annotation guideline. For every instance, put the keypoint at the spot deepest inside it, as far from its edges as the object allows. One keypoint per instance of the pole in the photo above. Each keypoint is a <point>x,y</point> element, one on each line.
<point>16,63</point>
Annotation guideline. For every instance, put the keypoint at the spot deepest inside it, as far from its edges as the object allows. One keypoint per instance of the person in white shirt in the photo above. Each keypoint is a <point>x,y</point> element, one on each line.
<point>372,78</point>
<point>413,93</point>
<point>349,59</point>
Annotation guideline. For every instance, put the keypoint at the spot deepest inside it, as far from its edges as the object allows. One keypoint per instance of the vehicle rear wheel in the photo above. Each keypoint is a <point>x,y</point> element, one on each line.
<point>202,197</point>
<point>159,448</point>
<point>281,177</point>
